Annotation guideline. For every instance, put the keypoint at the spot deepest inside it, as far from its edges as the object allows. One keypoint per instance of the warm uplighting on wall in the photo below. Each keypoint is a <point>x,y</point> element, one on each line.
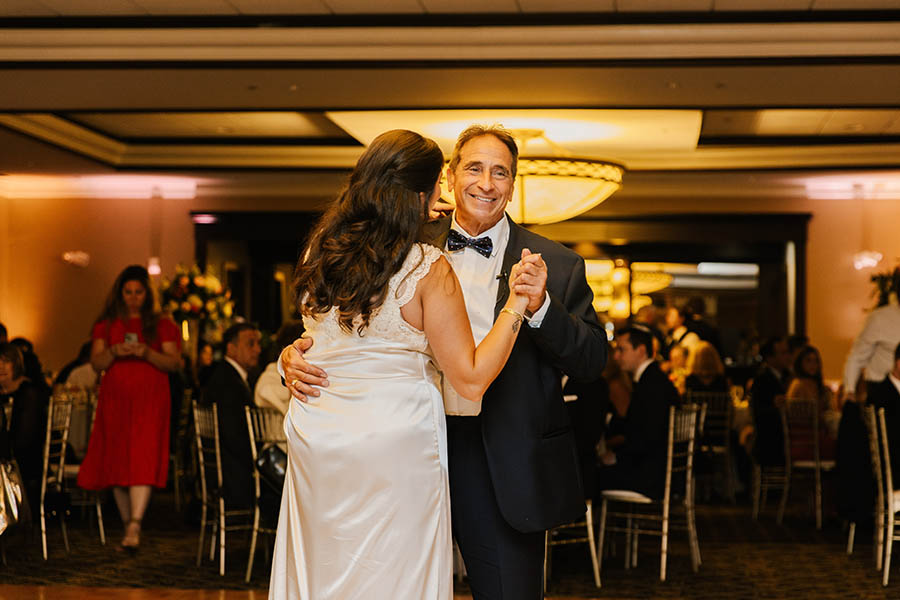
<point>866,259</point>
<point>76,258</point>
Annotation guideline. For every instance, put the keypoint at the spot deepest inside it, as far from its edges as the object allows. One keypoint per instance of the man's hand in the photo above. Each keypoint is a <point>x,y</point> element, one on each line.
<point>299,375</point>
<point>440,209</point>
<point>532,279</point>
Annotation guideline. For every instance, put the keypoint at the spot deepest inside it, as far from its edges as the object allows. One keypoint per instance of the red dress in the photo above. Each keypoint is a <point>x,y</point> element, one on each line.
<point>129,443</point>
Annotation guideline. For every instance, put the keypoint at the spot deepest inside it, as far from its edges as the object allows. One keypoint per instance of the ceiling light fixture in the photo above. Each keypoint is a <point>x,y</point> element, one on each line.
<point>550,189</point>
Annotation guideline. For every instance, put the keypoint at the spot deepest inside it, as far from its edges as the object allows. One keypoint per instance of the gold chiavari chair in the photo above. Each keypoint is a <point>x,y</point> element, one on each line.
<point>266,427</point>
<point>209,463</point>
<point>641,510</point>
<point>802,448</point>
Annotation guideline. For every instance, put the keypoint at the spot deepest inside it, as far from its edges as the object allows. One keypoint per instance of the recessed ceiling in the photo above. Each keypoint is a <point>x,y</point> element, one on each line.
<point>276,124</point>
<point>44,8</point>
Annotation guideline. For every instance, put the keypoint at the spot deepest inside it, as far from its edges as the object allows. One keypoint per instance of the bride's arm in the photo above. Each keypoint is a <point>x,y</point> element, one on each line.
<point>446,324</point>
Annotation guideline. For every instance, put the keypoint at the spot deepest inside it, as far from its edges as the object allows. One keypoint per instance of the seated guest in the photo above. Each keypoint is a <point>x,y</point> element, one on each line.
<point>886,394</point>
<point>229,389</point>
<point>84,356</point>
<point>619,385</point>
<point>639,464</point>
<point>588,406</point>
<point>808,385</point>
<point>766,395</point>
<point>28,425</point>
<point>676,366</point>
<point>706,373</point>
<point>204,366</point>
<point>270,391</point>
<point>85,376</point>
<point>33,369</point>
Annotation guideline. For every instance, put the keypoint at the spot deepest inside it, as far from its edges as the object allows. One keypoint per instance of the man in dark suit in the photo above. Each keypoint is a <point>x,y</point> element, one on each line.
<point>229,389</point>
<point>512,458</point>
<point>766,395</point>
<point>886,394</point>
<point>639,464</point>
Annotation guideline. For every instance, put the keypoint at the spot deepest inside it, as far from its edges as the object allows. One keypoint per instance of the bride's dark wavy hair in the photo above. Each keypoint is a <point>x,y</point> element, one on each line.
<point>366,233</point>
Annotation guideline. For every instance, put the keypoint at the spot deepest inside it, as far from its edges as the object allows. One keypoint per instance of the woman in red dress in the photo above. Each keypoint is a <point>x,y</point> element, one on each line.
<point>129,445</point>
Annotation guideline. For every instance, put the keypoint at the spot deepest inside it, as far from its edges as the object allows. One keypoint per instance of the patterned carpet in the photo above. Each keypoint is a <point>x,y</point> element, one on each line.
<point>742,559</point>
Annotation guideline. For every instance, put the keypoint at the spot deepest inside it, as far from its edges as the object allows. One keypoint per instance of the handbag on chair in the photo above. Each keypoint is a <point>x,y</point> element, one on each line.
<point>272,464</point>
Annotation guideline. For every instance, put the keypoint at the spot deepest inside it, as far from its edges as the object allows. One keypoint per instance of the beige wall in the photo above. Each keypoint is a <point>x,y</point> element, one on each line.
<point>54,304</point>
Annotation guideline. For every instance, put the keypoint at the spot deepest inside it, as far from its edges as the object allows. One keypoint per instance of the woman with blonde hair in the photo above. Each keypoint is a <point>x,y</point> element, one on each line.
<point>706,373</point>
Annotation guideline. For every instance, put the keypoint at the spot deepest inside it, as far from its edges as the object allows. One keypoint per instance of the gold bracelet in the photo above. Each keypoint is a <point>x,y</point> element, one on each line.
<point>517,315</point>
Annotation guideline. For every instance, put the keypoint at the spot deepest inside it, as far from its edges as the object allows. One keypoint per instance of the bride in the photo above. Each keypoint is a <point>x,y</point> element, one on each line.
<point>365,511</point>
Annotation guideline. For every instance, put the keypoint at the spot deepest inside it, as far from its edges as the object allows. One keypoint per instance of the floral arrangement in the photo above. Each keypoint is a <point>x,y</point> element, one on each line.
<point>887,286</point>
<point>193,294</point>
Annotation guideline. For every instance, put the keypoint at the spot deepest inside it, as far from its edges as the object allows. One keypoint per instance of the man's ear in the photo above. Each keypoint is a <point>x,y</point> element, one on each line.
<point>451,178</point>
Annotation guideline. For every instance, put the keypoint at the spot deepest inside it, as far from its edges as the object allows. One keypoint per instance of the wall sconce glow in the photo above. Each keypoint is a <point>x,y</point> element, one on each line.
<point>866,259</point>
<point>76,258</point>
<point>98,186</point>
<point>153,266</point>
<point>204,219</point>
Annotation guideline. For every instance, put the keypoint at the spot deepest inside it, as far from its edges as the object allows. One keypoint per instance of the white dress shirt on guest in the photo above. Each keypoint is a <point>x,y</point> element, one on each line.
<point>84,376</point>
<point>269,390</point>
<point>874,347</point>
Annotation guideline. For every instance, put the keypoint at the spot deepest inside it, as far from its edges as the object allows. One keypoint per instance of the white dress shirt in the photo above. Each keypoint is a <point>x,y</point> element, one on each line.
<point>269,390</point>
<point>479,278</point>
<point>874,348</point>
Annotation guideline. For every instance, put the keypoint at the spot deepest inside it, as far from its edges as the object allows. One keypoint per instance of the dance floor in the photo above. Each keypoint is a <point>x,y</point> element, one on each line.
<point>742,560</point>
<point>70,592</point>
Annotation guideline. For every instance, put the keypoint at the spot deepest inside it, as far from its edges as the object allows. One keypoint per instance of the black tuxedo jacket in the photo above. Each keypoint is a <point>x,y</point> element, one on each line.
<point>642,458</point>
<point>227,390</point>
<point>884,395</point>
<point>768,446</point>
<point>527,436</point>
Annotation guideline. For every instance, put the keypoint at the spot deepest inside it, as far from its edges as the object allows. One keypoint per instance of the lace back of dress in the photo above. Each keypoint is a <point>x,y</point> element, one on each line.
<point>387,322</point>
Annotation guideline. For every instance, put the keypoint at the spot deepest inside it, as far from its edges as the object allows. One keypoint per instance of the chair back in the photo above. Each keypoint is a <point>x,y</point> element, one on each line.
<point>266,427</point>
<point>800,420</point>
<point>886,458</point>
<point>872,430</point>
<point>716,416</point>
<point>209,459</point>
<point>59,417</point>
<point>680,449</point>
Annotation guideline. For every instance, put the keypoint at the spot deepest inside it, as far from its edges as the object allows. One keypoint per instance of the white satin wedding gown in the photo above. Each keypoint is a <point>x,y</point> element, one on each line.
<point>366,505</point>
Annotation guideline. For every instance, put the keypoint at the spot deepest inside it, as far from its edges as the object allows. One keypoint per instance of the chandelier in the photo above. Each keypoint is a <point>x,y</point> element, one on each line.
<point>554,188</point>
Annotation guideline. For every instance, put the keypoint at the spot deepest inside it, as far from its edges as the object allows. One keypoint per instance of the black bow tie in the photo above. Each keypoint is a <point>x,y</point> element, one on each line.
<point>457,241</point>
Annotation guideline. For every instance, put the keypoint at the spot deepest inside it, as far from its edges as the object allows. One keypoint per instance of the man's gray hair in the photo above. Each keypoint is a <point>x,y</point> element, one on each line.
<point>474,131</point>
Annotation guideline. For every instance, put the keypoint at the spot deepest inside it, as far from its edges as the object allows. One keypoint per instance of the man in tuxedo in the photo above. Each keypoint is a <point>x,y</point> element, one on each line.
<point>766,395</point>
<point>229,389</point>
<point>886,394</point>
<point>513,463</point>
<point>639,464</point>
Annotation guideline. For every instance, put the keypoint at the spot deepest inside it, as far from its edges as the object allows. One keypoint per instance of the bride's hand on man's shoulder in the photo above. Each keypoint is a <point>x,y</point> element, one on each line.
<point>301,377</point>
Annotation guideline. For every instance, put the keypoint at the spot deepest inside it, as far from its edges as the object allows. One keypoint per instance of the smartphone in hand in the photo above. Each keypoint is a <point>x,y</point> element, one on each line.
<point>131,338</point>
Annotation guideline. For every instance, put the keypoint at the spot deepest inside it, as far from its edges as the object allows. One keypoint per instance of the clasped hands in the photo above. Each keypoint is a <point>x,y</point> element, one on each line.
<point>528,278</point>
<point>124,349</point>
